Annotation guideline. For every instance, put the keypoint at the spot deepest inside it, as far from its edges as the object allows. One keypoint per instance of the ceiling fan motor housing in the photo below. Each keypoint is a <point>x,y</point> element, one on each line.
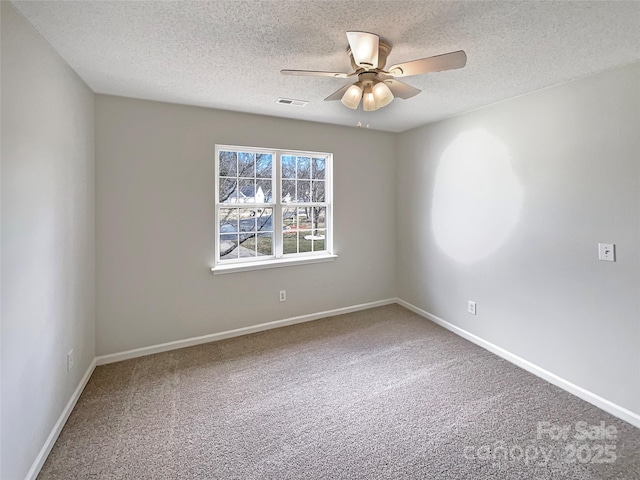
<point>384,48</point>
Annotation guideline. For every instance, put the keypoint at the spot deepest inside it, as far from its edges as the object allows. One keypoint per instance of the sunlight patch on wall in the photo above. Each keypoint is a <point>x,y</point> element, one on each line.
<point>477,197</point>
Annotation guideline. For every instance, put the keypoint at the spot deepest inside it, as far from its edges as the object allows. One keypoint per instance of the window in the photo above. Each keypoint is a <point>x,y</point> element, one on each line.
<point>273,208</point>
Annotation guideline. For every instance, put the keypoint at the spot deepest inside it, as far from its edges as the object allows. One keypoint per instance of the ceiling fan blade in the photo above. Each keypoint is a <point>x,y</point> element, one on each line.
<point>447,61</point>
<point>364,48</point>
<point>338,94</point>
<point>313,73</point>
<point>401,89</point>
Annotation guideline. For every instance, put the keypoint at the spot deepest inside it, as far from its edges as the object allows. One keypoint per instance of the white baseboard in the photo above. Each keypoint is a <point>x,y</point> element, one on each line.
<point>57,428</point>
<point>600,402</point>
<point>189,342</point>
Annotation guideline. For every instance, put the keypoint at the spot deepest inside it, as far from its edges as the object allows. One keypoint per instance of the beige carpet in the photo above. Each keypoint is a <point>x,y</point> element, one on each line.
<point>377,394</point>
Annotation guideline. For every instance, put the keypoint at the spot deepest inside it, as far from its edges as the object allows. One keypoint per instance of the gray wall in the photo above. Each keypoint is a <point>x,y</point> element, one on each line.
<point>155,229</point>
<point>48,239</point>
<point>514,221</point>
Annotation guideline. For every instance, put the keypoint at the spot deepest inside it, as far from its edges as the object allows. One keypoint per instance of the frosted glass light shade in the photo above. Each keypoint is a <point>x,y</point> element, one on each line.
<point>351,97</point>
<point>368,100</point>
<point>382,95</point>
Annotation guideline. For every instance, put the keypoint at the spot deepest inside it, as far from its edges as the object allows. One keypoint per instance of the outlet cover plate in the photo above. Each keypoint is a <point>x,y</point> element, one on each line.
<point>471,307</point>
<point>70,361</point>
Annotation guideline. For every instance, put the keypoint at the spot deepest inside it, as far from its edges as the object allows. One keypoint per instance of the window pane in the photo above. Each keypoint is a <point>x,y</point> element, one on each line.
<point>290,242</point>
<point>246,164</point>
<point>247,246</point>
<point>303,218</point>
<point>305,241</point>
<point>318,241</point>
<point>228,220</point>
<point>264,163</point>
<point>247,220</point>
<point>227,164</point>
<point>304,191</point>
<point>264,220</point>
<point>318,217</point>
<point>318,168</point>
<point>227,192</point>
<point>317,191</point>
<point>246,191</point>
<point>288,191</point>
<point>304,167</point>
<point>288,166</point>
<point>263,191</point>
<point>265,244</point>
<point>228,244</point>
<point>289,219</point>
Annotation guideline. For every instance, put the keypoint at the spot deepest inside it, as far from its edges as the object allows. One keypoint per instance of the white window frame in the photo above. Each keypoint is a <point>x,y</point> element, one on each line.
<point>278,259</point>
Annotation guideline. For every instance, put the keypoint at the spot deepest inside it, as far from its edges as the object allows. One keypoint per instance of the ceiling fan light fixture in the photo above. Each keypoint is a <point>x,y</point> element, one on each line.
<point>369,100</point>
<point>382,95</point>
<point>352,96</point>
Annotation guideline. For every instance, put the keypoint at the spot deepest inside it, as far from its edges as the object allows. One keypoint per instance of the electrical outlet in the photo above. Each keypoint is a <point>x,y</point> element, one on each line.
<point>283,295</point>
<point>471,307</point>
<point>70,360</point>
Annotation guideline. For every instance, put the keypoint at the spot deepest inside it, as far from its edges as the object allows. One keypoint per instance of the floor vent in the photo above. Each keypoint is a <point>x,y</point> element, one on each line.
<point>292,102</point>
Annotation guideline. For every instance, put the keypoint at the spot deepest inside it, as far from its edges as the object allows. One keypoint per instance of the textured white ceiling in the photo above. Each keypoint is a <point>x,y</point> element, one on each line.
<point>228,54</point>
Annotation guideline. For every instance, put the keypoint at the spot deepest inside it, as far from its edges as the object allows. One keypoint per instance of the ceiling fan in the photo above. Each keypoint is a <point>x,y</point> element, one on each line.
<point>377,87</point>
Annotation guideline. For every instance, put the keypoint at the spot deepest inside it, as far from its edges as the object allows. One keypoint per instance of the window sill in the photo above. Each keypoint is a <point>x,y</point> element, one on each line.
<point>288,262</point>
